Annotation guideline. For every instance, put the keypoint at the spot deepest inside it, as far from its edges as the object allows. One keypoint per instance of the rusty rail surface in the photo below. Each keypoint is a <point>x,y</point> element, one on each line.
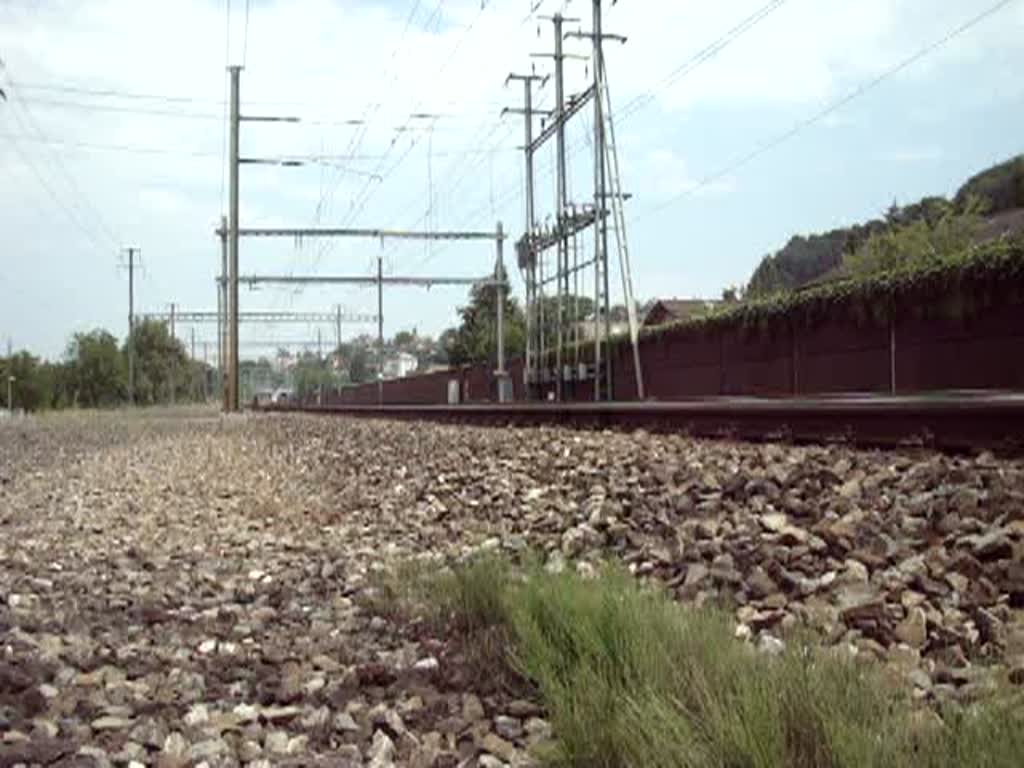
<point>949,421</point>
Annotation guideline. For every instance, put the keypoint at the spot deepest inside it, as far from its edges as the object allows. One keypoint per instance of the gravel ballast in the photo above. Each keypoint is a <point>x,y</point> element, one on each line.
<point>184,591</point>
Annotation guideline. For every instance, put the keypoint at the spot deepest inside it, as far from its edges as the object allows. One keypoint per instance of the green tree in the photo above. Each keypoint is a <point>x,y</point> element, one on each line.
<point>34,386</point>
<point>98,377</point>
<point>475,339</point>
<point>940,234</point>
<point>161,364</point>
<point>311,374</point>
<point>404,339</point>
<point>1001,186</point>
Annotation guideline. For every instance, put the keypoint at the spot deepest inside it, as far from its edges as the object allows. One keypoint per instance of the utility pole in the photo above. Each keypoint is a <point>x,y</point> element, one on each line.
<point>174,365</point>
<point>192,367</point>
<point>499,276</point>
<point>380,329</point>
<point>233,160</point>
<point>131,325</point>
<point>560,206</point>
<point>527,253</point>
<point>601,193</point>
<point>222,311</point>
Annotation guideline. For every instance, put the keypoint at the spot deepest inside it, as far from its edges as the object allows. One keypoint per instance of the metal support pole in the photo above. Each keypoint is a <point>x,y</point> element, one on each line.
<point>380,329</point>
<point>560,204</point>
<point>337,349</point>
<point>131,325</point>
<point>499,277</point>
<point>233,382</point>
<point>174,366</point>
<point>561,273</point>
<point>531,256</point>
<point>223,363</point>
<point>601,193</point>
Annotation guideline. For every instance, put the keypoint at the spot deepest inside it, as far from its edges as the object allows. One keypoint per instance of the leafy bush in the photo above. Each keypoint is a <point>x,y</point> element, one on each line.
<point>943,237</point>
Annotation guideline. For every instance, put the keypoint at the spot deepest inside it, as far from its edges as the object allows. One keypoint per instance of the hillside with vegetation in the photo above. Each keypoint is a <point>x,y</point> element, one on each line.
<point>988,205</point>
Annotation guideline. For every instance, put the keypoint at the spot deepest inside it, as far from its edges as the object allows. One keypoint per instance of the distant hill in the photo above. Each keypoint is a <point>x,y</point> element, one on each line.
<point>805,259</point>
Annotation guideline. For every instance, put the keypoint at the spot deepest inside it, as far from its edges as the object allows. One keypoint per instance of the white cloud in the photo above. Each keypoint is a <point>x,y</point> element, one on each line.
<point>332,60</point>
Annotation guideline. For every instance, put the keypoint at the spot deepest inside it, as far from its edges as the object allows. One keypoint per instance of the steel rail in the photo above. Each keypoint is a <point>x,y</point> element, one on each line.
<point>952,421</point>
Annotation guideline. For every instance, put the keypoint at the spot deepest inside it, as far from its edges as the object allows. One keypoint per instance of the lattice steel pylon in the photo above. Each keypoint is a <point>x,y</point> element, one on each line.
<point>549,371</point>
<point>618,216</point>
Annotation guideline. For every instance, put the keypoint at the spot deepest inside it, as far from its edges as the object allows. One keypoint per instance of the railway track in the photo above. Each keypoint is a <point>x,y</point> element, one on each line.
<point>955,421</point>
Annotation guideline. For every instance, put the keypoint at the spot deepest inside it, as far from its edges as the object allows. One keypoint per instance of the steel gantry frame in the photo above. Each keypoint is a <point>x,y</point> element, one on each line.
<point>498,281</point>
<point>570,220</point>
<point>337,317</point>
<point>230,232</point>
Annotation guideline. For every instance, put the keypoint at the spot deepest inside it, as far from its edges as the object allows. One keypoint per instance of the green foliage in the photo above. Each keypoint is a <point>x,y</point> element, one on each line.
<point>940,233</point>
<point>311,374</point>
<point>805,259</point>
<point>631,678</point>
<point>991,273</point>
<point>475,339</point>
<point>404,339</point>
<point>359,365</point>
<point>35,386</point>
<point>97,376</point>
<point>161,364</point>
<point>1002,186</point>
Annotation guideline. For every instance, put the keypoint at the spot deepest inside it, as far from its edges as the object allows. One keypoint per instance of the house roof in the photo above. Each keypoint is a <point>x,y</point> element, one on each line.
<point>677,309</point>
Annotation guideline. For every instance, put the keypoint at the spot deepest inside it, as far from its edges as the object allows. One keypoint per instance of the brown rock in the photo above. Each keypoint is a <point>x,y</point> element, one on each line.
<point>913,630</point>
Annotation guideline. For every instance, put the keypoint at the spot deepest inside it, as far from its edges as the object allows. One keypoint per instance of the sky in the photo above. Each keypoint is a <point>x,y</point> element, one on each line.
<point>113,136</point>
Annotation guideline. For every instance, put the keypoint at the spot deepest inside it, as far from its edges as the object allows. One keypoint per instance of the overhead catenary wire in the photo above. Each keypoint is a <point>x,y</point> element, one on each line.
<point>367,192</point>
<point>464,169</point>
<point>642,101</point>
<point>66,209</point>
<point>83,201</point>
<point>355,142</point>
<point>826,111</point>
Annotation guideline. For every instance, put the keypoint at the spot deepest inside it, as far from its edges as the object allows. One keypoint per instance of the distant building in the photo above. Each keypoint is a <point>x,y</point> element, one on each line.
<point>665,311</point>
<point>585,328</point>
<point>400,365</point>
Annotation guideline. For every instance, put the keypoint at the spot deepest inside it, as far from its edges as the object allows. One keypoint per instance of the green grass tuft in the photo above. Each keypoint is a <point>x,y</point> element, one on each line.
<point>631,678</point>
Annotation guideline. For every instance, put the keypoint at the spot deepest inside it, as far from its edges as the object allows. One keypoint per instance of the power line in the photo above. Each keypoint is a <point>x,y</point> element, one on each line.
<point>367,191</point>
<point>356,141</point>
<point>80,197</point>
<point>705,54</point>
<point>114,93</point>
<point>829,109</point>
<point>640,102</point>
<point>100,147</point>
<point>65,208</point>
<point>157,112</point>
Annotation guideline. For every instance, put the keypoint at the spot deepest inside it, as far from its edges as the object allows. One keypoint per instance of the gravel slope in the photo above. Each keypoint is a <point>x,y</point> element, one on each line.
<point>174,592</point>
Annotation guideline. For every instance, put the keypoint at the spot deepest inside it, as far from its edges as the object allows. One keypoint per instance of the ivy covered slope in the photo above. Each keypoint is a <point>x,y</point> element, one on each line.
<point>806,258</point>
<point>960,285</point>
